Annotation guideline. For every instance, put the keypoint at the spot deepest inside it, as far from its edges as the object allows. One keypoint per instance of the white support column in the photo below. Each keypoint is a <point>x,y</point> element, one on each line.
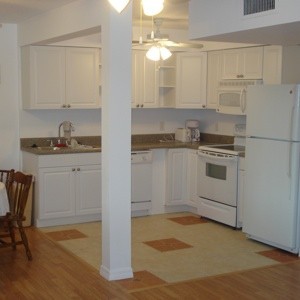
<point>116,143</point>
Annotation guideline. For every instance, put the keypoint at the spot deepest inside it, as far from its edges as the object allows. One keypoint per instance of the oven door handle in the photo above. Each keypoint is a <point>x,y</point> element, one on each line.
<point>218,158</point>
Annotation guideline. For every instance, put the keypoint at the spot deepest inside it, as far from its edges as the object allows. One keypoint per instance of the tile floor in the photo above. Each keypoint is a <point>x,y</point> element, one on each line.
<point>173,247</point>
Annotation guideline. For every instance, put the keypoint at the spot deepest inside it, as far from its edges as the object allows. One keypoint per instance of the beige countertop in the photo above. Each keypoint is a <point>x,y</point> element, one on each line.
<point>139,143</point>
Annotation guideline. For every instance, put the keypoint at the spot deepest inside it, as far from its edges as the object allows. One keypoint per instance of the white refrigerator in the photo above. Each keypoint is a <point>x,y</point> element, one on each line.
<point>271,208</point>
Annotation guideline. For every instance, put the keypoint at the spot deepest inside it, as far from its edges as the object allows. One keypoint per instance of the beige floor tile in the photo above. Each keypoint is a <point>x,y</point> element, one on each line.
<point>216,248</point>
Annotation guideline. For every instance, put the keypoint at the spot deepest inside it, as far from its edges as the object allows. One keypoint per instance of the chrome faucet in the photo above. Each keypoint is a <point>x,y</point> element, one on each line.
<point>68,127</point>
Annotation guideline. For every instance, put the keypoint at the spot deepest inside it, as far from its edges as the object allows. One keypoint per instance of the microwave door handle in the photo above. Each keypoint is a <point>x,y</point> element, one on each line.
<point>243,100</point>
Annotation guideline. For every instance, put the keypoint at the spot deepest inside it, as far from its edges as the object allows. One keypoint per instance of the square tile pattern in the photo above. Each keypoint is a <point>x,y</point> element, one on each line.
<point>165,245</point>
<point>279,255</point>
<point>189,220</point>
<point>66,235</point>
<point>155,237</point>
<point>141,279</point>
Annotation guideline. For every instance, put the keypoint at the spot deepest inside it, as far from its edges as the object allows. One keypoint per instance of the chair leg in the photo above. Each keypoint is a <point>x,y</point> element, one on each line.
<point>11,230</point>
<point>24,240</point>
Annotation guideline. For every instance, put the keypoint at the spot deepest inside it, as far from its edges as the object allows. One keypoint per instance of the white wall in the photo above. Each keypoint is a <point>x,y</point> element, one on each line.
<point>9,120</point>
<point>278,26</point>
<point>144,121</point>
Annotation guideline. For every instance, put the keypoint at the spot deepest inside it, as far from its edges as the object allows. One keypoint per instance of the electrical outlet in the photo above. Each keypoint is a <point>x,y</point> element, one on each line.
<point>162,126</point>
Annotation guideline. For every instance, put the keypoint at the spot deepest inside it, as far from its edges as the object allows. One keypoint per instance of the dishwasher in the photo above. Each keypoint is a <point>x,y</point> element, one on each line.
<point>141,182</point>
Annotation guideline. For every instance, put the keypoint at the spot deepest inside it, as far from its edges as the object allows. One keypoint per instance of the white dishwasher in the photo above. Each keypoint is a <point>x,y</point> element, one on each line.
<point>141,182</point>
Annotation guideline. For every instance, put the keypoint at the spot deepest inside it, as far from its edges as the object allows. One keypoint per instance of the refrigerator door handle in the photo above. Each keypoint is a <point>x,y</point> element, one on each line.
<point>289,160</point>
<point>292,122</point>
<point>243,100</point>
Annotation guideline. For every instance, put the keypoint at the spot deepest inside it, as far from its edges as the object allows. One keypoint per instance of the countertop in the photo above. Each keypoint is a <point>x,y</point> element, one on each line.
<point>139,143</point>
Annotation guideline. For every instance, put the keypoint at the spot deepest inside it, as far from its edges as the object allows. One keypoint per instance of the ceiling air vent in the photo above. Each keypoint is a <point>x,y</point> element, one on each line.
<point>257,6</point>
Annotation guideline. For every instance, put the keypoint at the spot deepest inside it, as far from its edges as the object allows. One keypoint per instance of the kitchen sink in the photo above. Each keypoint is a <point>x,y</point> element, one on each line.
<point>50,148</point>
<point>54,148</point>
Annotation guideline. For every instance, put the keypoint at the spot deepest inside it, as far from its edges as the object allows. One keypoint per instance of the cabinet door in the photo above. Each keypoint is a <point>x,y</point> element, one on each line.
<point>47,77</point>
<point>192,159</point>
<point>144,81</point>
<point>231,64</point>
<point>244,63</point>
<point>252,63</point>
<point>191,80</point>
<point>176,177</point>
<point>272,68</point>
<point>214,75</point>
<point>88,190</point>
<point>82,78</point>
<point>57,192</point>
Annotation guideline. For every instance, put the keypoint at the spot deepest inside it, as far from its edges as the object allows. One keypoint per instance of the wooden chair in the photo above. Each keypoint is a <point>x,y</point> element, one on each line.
<point>17,195</point>
<point>6,177</point>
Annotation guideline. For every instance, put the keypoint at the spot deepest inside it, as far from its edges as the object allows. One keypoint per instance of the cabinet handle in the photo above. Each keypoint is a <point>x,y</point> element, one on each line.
<point>68,106</point>
<point>240,76</point>
<point>203,105</point>
<point>78,169</point>
<point>64,105</point>
<point>142,105</point>
<point>137,105</point>
<point>73,169</point>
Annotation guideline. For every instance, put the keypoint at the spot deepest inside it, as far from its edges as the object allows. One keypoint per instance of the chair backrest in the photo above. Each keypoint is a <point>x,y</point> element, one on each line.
<point>6,176</point>
<point>18,193</point>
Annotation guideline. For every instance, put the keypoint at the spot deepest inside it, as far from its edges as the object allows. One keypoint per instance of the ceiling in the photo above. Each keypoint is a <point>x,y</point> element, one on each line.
<point>175,13</point>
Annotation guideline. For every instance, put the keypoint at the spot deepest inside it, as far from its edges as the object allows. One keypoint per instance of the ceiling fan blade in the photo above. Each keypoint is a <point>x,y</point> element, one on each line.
<point>181,45</point>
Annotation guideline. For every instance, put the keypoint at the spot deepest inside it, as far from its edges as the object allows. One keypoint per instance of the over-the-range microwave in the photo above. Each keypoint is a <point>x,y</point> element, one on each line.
<point>232,96</point>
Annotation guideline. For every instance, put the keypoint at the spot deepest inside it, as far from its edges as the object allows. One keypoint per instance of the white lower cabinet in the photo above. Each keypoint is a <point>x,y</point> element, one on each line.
<point>176,177</point>
<point>67,187</point>
<point>192,195</point>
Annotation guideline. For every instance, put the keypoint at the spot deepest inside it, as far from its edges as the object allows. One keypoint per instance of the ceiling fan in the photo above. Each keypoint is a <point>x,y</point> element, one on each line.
<point>156,37</point>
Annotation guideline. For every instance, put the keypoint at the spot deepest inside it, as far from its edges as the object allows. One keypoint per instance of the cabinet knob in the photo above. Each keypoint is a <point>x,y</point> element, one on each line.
<point>73,169</point>
<point>68,106</point>
<point>64,105</point>
<point>142,105</point>
<point>240,76</point>
<point>137,105</point>
<point>78,169</point>
<point>203,105</point>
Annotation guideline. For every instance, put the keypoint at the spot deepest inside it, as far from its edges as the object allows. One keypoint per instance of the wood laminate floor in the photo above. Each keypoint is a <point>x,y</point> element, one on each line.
<point>55,273</point>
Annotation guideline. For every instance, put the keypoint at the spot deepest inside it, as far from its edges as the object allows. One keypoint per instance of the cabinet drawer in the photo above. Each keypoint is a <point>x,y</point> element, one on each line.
<point>64,160</point>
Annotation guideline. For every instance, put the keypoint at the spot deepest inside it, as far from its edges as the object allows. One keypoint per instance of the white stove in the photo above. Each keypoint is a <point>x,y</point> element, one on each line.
<point>218,179</point>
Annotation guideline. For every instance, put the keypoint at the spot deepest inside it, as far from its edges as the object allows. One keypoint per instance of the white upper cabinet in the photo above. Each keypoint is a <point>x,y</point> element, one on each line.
<point>144,81</point>
<point>60,77</point>
<point>281,65</point>
<point>82,83</point>
<point>214,75</point>
<point>191,80</point>
<point>243,63</point>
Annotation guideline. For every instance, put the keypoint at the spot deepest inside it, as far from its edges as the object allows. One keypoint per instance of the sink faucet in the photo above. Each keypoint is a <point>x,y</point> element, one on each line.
<point>68,128</point>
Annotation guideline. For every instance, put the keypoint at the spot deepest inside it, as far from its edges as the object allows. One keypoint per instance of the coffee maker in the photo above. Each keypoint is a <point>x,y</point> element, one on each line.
<point>193,128</point>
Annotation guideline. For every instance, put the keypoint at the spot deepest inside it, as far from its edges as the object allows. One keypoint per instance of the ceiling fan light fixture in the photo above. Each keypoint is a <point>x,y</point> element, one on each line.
<point>152,7</point>
<point>165,53</point>
<point>119,5</point>
<point>153,53</point>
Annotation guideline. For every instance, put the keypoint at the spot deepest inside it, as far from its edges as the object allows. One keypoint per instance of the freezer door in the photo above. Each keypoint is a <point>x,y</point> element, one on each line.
<point>271,192</point>
<point>273,112</point>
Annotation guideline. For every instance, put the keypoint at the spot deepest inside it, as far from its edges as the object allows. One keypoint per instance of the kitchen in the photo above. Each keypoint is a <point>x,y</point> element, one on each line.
<point>45,123</point>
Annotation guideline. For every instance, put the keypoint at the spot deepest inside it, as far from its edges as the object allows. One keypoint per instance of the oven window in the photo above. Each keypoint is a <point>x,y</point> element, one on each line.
<point>216,171</point>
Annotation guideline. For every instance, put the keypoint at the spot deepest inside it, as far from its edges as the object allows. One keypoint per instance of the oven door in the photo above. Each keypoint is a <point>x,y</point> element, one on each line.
<point>217,177</point>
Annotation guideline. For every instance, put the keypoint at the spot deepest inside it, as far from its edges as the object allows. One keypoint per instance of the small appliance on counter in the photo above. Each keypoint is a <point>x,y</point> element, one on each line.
<point>193,128</point>
<point>182,135</point>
